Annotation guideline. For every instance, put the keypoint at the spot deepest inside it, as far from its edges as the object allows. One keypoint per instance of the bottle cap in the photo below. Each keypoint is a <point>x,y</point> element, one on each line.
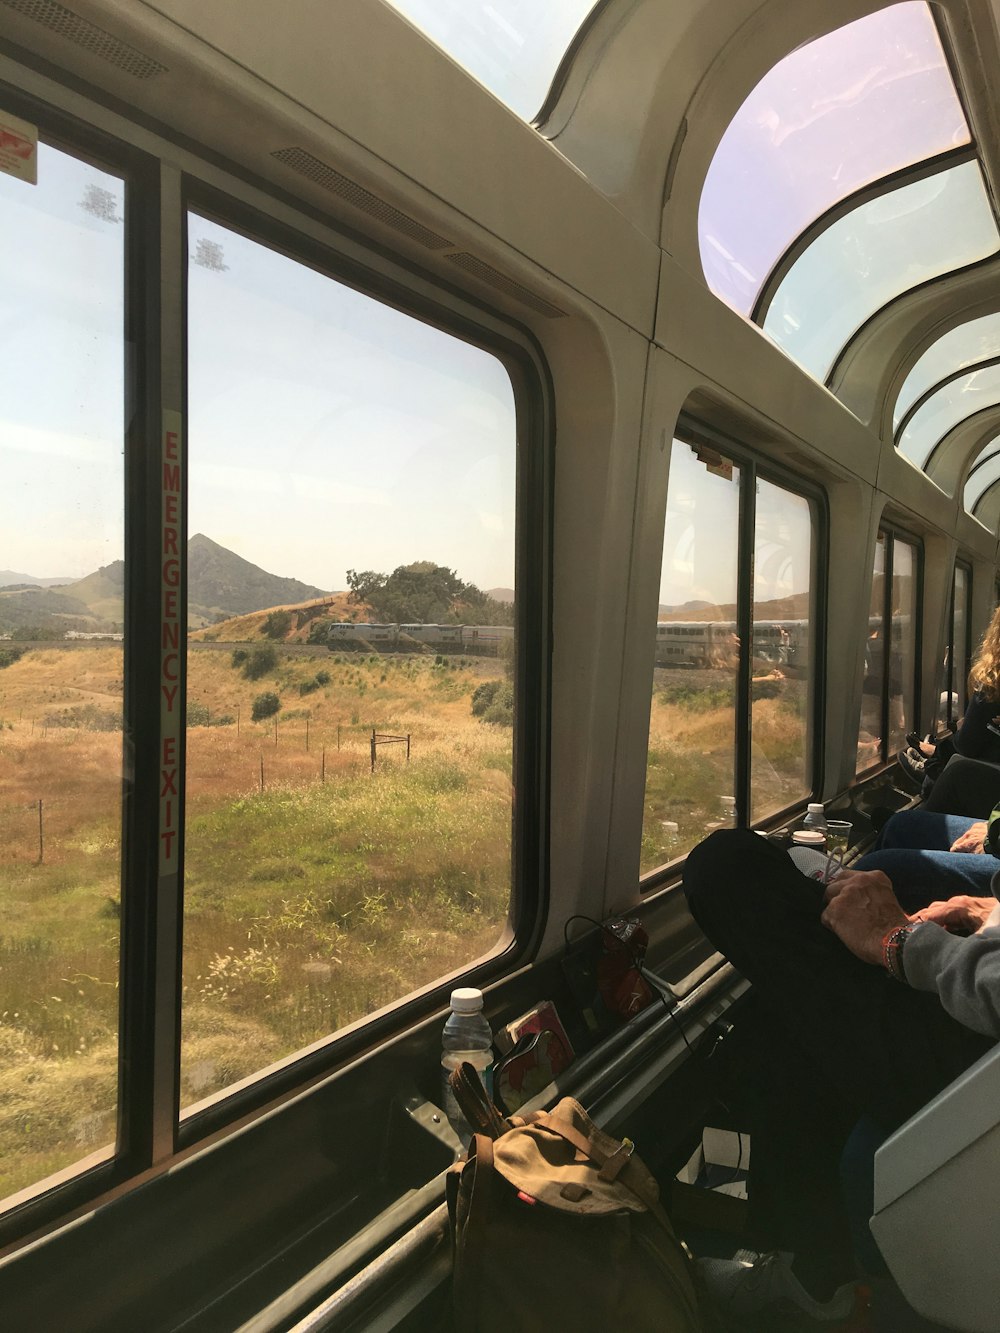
<point>809,837</point>
<point>466,1000</point>
<point>815,807</point>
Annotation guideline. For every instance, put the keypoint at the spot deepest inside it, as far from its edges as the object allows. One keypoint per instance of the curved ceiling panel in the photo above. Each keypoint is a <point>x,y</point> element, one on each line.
<point>977,340</point>
<point>836,115</point>
<point>875,253</point>
<point>982,476</point>
<point>513,47</point>
<point>952,403</point>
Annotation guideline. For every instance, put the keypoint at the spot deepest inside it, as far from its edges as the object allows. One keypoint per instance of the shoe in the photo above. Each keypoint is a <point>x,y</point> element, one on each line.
<point>912,764</point>
<point>768,1286</point>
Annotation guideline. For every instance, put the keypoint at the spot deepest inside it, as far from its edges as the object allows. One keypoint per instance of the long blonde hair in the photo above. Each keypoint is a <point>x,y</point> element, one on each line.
<point>984,675</point>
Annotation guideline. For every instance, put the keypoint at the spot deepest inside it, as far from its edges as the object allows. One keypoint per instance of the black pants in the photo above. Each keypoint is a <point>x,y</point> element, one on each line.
<point>839,1039</point>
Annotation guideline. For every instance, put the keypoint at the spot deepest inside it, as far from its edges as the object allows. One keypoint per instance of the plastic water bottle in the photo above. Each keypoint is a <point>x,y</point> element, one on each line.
<point>466,1038</point>
<point>815,817</point>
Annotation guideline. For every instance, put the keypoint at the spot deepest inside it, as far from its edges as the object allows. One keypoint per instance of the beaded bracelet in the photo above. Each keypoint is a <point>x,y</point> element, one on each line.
<point>892,951</point>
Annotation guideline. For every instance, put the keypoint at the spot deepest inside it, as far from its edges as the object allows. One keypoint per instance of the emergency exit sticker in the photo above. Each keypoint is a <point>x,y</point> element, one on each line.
<point>18,148</point>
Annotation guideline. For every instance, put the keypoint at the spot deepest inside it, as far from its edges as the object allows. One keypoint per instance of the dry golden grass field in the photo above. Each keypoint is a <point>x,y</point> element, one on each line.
<point>309,903</point>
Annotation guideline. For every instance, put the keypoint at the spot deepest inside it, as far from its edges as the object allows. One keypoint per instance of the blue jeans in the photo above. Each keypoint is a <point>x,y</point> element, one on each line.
<point>912,850</point>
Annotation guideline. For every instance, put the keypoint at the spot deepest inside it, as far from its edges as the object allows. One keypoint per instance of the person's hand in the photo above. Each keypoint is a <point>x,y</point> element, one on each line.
<point>973,839</point>
<point>961,915</point>
<point>860,909</point>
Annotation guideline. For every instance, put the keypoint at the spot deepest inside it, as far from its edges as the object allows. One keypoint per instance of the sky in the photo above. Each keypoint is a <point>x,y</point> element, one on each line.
<point>327,431</point>
<point>512,46</point>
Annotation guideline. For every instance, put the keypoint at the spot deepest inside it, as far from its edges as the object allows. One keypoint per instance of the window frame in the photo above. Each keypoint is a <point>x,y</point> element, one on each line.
<point>892,533</point>
<point>753,468</point>
<point>150,1129</point>
<point>963,691</point>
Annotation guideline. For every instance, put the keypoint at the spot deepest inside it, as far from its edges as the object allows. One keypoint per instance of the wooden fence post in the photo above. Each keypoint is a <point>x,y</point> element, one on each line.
<point>322,767</point>
<point>41,838</point>
<point>262,770</point>
<point>373,749</point>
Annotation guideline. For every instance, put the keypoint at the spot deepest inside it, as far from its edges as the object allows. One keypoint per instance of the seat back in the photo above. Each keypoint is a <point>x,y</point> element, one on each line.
<point>937,1202</point>
<point>969,787</point>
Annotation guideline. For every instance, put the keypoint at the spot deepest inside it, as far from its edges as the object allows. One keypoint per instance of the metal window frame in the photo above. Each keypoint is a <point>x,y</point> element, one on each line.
<point>982,459</point>
<point>925,397</point>
<point>164,172</point>
<point>952,716</point>
<point>753,469</point>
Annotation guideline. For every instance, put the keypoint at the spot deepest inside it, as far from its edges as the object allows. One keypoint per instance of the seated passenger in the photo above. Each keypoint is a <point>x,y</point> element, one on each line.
<point>928,855</point>
<point>867,1013</point>
<point>973,737</point>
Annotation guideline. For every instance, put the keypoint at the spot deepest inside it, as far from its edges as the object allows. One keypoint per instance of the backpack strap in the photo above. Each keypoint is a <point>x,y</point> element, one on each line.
<point>472,1241</point>
<point>614,1165</point>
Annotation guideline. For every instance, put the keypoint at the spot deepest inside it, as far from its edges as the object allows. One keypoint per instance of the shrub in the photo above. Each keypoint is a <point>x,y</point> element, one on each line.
<point>277,624</point>
<point>308,686</point>
<point>240,656</point>
<point>483,696</point>
<point>8,656</point>
<point>260,662</point>
<point>265,705</point>
<point>322,677</point>
<point>501,710</point>
<point>198,715</point>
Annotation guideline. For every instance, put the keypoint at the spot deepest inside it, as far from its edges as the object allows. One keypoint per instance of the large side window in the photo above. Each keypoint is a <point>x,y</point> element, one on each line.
<point>732,687</point>
<point>889,688</point>
<point>959,645</point>
<point>62,409</point>
<point>350,700</point>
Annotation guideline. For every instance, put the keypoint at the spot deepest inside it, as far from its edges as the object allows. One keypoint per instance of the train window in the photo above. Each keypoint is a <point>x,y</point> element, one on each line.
<point>62,402</point>
<point>838,114</point>
<point>781,667</point>
<point>964,346</point>
<point>889,686</point>
<point>959,646</point>
<point>691,760</point>
<point>350,694</point>
<point>709,689</point>
<point>513,47</point>
<point>879,250</point>
<point>945,408</point>
<point>984,475</point>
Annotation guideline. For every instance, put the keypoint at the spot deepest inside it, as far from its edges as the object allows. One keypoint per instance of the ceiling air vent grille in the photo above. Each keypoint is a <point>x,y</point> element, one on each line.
<point>315,170</point>
<point>486,273</point>
<point>88,35</point>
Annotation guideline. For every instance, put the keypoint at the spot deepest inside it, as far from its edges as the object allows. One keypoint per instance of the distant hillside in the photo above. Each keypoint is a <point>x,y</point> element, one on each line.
<point>795,607</point>
<point>10,576</point>
<point>271,624</point>
<point>222,584</point>
<point>501,594</point>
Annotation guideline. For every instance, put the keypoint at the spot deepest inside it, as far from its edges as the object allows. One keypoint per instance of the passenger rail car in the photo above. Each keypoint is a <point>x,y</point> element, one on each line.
<point>679,323</point>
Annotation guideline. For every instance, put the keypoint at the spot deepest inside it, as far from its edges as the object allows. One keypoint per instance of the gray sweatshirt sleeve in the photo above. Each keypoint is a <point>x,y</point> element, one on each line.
<point>963,971</point>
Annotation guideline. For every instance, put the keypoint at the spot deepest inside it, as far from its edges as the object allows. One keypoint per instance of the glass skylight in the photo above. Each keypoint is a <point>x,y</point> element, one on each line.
<point>513,47</point>
<point>986,473</point>
<point>966,345</point>
<point>842,112</point>
<point>943,411</point>
<point>874,254</point>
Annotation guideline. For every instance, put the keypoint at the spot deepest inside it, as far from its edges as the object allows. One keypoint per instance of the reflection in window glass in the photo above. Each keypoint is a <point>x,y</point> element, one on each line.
<point>985,473</point>
<point>351,501</point>
<point>874,254</point>
<point>945,409</point>
<point>513,47</point>
<point>870,749</point>
<point>837,114</point>
<point>967,345</point>
<point>690,770</point>
<point>61,624</point>
<point>902,644</point>
<point>782,640</point>
<point>959,655</point>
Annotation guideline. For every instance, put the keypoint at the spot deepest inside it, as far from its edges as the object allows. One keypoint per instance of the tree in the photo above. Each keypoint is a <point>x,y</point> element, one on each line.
<point>265,705</point>
<point>425,593</point>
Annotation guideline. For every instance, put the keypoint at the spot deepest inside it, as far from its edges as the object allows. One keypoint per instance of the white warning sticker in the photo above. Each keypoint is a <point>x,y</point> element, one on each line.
<point>18,148</point>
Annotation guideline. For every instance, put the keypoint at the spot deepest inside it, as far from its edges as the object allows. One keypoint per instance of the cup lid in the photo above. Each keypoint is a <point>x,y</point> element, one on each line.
<point>808,837</point>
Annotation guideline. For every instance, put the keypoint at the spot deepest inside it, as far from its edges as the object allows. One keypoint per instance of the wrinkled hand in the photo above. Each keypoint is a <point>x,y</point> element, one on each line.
<point>860,908</point>
<point>961,915</point>
<point>972,840</point>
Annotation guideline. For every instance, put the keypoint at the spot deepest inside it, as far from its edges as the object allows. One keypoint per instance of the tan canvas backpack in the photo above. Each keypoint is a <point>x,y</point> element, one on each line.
<point>558,1226</point>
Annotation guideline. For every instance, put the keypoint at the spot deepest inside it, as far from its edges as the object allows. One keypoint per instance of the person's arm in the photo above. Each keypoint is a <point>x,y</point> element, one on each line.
<point>964,972</point>
<point>971,736</point>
